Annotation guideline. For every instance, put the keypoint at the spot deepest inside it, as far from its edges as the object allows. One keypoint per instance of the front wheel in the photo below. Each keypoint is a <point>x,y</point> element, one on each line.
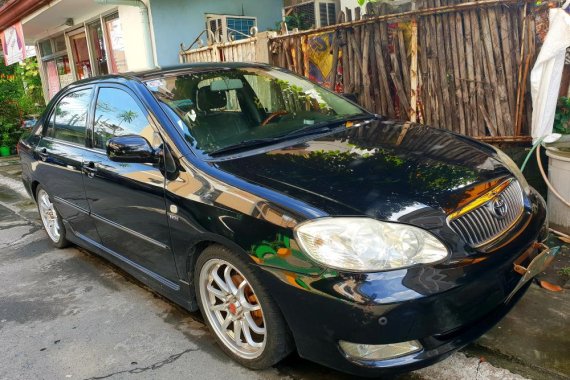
<point>51,220</point>
<point>237,308</point>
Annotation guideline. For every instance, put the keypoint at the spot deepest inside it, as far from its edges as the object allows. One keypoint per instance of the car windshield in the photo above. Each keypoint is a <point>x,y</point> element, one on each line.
<point>225,108</point>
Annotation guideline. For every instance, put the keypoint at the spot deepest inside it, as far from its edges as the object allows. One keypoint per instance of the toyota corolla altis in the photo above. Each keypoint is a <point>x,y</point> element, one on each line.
<point>291,217</point>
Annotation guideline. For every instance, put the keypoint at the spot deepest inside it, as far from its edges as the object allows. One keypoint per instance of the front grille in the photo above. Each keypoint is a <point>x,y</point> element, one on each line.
<point>486,222</point>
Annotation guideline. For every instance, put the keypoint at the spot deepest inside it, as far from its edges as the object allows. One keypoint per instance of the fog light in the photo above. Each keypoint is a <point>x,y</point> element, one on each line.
<point>379,351</point>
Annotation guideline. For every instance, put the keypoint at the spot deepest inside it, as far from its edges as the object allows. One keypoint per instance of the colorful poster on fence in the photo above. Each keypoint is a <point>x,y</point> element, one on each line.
<point>13,44</point>
<point>320,55</point>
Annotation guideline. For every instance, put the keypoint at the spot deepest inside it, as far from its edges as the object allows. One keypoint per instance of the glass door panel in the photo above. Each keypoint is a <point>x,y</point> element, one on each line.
<point>52,78</point>
<point>98,48</point>
<point>80,52</point>
<point>64,71</point>
<point>116,44</point>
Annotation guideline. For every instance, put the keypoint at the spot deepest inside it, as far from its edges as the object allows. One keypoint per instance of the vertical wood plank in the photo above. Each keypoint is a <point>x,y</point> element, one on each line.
<point>507,50</point>
<point>477,125</point>
<point>444,116</point>
<point>413,116</point>
<point>491,73</point>
<point>334,70</point>
<point>508,124</point>
<point>350,63</point>
<point>382,71</point>
<point>404,60</point>
<point>423,91</point>
<point>463,98</point>
<point>345,62</point>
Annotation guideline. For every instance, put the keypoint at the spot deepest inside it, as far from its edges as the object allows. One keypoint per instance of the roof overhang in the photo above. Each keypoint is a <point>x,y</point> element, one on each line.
<point>14,10</point>
<point>53,17</point>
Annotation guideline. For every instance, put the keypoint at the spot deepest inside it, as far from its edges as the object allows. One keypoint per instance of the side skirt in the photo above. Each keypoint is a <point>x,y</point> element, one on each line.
<point>179,294</point>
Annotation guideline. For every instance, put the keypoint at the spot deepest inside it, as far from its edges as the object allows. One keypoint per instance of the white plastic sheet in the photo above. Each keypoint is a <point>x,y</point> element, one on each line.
<point>546,74</point>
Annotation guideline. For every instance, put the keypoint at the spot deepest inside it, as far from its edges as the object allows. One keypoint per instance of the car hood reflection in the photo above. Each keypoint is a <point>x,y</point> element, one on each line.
<point>387,170</point>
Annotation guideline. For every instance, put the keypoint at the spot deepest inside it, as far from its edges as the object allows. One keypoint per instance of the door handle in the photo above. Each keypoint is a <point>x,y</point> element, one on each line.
<point>89,168</point>
<point>43,154</point>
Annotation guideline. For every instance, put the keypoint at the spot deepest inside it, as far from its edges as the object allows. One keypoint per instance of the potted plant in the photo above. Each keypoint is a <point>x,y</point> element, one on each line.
<point>4,144</point>
<point>5,138</point>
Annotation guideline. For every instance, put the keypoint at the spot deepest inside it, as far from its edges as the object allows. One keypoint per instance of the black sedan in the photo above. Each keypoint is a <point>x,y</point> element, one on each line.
<point>291,217</point>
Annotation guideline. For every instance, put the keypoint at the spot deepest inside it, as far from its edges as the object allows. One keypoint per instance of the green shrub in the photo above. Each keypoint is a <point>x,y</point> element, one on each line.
<point>562,116</point>
<point>20,95</point>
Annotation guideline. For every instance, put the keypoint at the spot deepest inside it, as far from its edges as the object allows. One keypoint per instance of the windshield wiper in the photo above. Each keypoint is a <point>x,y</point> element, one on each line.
<point>324,126</point>
<point>245,144</point>
<point>306,130</point>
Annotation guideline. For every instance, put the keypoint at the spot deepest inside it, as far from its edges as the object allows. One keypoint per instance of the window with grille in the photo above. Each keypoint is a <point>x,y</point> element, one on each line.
<point>241,25</point>
<point>230,28</point>
<point>302,17</point>
<point>327,13</point>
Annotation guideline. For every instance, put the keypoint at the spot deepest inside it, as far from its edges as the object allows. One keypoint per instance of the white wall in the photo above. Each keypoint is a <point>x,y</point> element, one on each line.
<point>351,4</point>
<point>134,40</point>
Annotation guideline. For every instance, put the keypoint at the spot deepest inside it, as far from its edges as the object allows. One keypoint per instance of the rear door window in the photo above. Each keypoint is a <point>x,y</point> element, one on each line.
<point>117,113</point>
<point>68,120</point>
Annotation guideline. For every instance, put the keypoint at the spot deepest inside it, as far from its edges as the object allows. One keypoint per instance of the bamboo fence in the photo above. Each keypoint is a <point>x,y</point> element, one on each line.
<point>462,66</point>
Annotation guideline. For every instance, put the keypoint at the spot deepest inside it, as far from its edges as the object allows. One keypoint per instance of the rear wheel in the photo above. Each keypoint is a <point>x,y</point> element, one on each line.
<point>237,308</point>
<point>51,220</point>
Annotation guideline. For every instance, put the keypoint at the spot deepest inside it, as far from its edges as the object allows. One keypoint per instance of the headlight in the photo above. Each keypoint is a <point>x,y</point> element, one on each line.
<point>513,168</point>
<point>367,245</point>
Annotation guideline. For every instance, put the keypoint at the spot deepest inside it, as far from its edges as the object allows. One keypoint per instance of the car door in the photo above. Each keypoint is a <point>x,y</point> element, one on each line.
<point>59,155</point>
<point>127,199</point>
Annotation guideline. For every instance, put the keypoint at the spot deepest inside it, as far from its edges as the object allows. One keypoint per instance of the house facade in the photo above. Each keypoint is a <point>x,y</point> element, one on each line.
<point>77,39</point>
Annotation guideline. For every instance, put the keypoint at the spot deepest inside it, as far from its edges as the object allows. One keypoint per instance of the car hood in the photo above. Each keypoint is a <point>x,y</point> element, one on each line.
<point>387,170</point>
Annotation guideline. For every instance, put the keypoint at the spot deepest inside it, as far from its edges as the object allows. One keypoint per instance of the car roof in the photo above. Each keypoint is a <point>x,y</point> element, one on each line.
<point>162,71</point>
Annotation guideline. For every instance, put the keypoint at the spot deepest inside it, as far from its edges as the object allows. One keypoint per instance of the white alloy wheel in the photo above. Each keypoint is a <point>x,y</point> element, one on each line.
<point>232,308</point>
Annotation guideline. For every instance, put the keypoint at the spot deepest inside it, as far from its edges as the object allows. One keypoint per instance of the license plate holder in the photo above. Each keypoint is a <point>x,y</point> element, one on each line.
<point>538,264</point>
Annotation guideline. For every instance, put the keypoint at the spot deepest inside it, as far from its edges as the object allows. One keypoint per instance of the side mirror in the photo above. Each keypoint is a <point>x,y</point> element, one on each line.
<point>132,149</point>
<point>350,96</point>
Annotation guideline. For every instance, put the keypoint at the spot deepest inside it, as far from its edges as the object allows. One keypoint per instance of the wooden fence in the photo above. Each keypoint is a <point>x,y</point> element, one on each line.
<point>235,51</point>
<point>463,66</point>
<point>252,49</point>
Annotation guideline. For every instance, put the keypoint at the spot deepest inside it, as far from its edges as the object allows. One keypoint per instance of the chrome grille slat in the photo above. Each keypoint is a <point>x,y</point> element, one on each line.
<point>472,224</point>
<point>478,215</point>
<point>481,225</point>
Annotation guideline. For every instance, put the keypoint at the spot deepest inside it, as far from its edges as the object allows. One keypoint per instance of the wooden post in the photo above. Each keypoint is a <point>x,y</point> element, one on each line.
<point>334,70</point>
<point>357,14</point>
<point>413,116</point>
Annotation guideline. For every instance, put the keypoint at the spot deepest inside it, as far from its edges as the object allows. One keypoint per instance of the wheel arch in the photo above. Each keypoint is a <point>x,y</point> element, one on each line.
<point>34,188</point>
<point>197,247</point>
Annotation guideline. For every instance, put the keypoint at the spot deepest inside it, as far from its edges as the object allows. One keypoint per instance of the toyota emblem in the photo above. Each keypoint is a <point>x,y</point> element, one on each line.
<point>499,207</point>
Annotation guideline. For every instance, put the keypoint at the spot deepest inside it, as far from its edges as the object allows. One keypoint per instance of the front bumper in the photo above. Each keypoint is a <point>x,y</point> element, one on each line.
<point>444,307</point>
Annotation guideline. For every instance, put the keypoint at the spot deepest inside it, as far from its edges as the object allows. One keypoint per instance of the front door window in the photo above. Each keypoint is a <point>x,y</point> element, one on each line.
<point>118,114</point>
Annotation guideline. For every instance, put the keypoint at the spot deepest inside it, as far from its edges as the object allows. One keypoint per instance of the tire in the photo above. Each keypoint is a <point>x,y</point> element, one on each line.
<point>256,311</point>
<point>51,220</point>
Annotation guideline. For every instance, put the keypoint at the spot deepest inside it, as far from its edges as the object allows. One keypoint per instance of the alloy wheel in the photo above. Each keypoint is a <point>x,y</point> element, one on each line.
<point>232,308</point>
<point>48,215</point>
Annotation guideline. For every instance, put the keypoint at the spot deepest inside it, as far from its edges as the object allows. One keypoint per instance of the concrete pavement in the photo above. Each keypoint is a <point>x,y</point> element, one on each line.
<point>70,314</point>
